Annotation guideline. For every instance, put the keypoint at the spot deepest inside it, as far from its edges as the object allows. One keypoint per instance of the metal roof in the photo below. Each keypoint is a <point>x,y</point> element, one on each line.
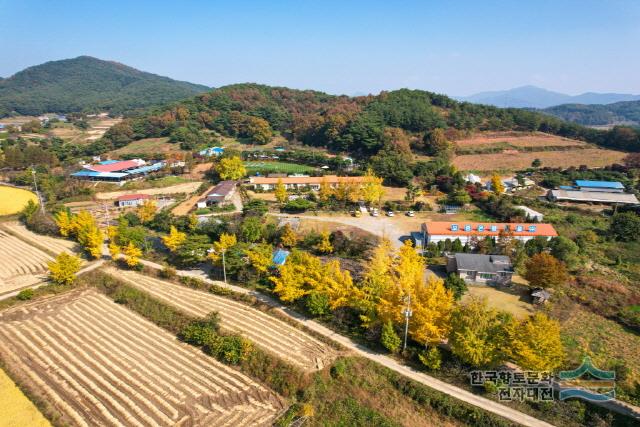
<point>599,184</point>
<point>594,196</point>
<point>482,263</point>
<point>99,174</point>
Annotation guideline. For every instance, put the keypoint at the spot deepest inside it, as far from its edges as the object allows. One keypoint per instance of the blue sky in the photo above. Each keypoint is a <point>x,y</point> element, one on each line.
<point>452,47</point>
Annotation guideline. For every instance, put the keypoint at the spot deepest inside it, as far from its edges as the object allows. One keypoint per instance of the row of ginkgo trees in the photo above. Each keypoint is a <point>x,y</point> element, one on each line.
<point>395,282</point>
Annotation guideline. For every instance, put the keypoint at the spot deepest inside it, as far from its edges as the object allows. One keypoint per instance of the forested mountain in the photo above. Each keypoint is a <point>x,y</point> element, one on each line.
<point>592,115</point>
<point>363,126</point>
<point>90,85</point>
<point>535,97</point>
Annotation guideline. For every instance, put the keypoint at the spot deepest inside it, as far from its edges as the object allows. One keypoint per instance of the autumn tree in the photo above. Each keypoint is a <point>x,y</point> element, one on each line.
<point>430,301</point>
<point>288,237</point>
<point>260,257</point>
<point>324,246</point>
<point>132,254</point>
<point>372,190</point>
<point>534,343</point>
<point>112,235</point>
<point>281,192</point>
<point>326,191</point>
<point>88,234</point>
<point>545,270</point>
<point>432,305</point>
<point>436,142</point>
<point>65,222</point>
<point>496,184</point>
<point>257,129</point>
<point>477,333</point>
<point>174,239</point>
<point>63,270</point>
<point>223,244</point>
<point>147,210</point>
<point>377,279</point>
<point>231,168</point>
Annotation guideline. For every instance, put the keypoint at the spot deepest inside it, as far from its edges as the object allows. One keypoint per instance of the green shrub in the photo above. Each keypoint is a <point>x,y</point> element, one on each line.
<point>231,349</point>
<point>317,303</point>
<point>389,338</point>
<point>431,358</point>
<point>25,294</point>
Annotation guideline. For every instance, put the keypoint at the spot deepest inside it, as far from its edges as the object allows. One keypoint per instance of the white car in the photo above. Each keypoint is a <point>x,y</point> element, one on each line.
<point>411,213</point>
<point>390,213</point>
<point>375,212</point>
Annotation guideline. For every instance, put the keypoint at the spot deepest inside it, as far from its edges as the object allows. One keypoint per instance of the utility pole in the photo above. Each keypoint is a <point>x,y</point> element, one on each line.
<point>35,184</point>
<point>407,312</point>
<point>224,267</point>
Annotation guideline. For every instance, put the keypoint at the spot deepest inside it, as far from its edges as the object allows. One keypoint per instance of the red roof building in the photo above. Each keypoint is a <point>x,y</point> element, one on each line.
<point>115,166</point>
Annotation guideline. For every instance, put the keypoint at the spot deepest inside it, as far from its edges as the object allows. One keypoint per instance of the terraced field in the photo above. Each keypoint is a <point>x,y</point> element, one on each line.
<point>271,334</point>
<point>98,363</point>
<point>50,243</point>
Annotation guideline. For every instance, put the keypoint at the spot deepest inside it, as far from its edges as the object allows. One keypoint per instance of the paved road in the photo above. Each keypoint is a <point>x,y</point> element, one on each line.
<point>486,404</point>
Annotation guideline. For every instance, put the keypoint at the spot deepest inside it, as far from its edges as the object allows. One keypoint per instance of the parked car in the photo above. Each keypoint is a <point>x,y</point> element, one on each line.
<point>357,213</point>
<point>390,213</point>
<point>411,213</point>
<point>375,212</point>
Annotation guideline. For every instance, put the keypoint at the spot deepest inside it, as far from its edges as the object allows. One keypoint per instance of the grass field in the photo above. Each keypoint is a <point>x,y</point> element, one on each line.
<point>12,200</point>
<point>592,157</point>
<point>281,167</point>
<point>15,409</point>
<point>585,333</point>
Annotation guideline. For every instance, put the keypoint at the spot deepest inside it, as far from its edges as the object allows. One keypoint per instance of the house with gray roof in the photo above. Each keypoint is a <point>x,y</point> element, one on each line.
<point>481,269</point>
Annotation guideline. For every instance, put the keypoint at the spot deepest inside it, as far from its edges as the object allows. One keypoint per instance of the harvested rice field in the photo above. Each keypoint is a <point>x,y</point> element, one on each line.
<point>96,363</point>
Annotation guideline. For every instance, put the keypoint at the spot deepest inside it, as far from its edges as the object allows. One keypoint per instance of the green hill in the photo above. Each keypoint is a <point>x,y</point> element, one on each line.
<point>86,84</point>
<point>627,112</point>
<point>404,119</point>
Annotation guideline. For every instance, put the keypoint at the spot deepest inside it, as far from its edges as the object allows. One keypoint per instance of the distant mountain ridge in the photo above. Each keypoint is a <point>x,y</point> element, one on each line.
<point>88,84</point>
<point>535,97</point>
<point>627,113</point>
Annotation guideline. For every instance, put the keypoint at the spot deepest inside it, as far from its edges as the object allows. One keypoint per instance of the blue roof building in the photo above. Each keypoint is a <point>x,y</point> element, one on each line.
<point>608,186</point>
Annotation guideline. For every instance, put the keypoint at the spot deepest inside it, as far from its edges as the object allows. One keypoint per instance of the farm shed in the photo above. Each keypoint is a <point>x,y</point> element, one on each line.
<point>131,200</point>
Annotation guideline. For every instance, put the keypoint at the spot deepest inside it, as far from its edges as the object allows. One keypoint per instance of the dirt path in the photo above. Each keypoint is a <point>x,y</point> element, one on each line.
<point>187,187</point>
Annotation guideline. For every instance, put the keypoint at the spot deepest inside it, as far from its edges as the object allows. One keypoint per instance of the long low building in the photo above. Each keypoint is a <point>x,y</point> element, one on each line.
<point>438,231</point>
<point>219,195</point>
<point>603,197</point>
<point>312,182</point>
<point>117,170</point>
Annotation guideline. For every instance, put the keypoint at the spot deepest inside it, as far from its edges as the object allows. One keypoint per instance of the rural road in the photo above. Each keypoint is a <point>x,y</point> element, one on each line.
<point>468,397</point>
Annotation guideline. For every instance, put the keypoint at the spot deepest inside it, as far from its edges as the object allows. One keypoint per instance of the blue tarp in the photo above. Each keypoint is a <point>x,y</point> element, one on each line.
<point>212,151</point>
<point>599,184</point>
<point>280,256</point>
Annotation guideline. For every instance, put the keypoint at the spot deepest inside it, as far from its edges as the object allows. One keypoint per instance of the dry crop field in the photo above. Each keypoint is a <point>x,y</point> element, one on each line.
<point>21,265</point>
<point>52,244</point>
<point>517,139</point>
<point>592,157</point>
<point>270,334</point>
<point>96,363</point>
